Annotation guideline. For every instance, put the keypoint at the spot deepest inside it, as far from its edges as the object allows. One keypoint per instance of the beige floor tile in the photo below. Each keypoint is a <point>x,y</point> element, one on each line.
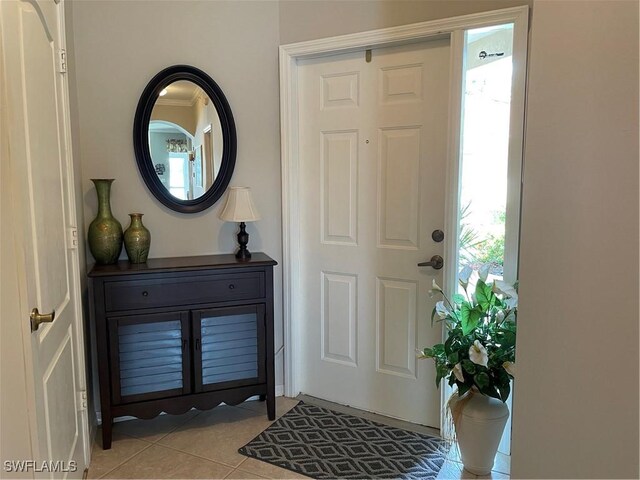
<point>160,462</point>
<point>283,405</point>
<point>154,429</point>
<point>502,463</point>
<point>217,434</point>
<point>267,470</point>
<point>454,453</point>
<point>238,474</point>
<point>122,449</point>
<point>453,471</point>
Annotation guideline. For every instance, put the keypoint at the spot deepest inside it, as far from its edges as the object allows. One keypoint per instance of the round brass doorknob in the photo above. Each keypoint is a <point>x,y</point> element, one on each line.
<point>37,318</point>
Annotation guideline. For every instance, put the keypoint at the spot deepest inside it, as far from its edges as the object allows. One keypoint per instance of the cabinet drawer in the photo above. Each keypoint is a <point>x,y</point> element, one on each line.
<point>176,291</point>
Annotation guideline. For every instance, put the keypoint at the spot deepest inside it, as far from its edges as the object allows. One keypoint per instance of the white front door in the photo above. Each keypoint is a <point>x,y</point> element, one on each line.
<point>45,237</point>
<point>373,148</point>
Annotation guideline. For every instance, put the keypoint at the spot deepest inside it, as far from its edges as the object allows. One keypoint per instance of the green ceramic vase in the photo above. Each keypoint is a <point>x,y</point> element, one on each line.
<point>105,232</point>
<point>137,239</point>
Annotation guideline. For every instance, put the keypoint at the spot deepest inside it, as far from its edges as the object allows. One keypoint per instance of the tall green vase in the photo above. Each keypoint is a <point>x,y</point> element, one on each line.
<point>137,239</point>
<point>105,232</point>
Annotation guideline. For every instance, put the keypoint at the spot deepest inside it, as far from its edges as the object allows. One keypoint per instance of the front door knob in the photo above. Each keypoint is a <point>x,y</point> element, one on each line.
<point>437,235</point>
<point>436,262</point>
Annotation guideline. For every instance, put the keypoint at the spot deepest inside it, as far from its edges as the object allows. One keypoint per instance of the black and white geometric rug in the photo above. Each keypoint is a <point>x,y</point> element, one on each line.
<point>321,443</point>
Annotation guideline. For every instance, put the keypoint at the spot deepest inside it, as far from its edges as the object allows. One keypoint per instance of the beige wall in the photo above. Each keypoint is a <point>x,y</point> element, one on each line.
<point>119,47</point>
<point>576,398</point>
<point>184,116</point>
<point>307,20</point>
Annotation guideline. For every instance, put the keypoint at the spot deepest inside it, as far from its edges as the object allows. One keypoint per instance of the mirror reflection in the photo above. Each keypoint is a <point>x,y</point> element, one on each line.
<point>185,140</point>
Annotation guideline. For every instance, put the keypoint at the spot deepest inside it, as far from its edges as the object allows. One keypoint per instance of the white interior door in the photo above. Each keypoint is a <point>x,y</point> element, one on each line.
<point>373,149</point>
<point>45,232</point>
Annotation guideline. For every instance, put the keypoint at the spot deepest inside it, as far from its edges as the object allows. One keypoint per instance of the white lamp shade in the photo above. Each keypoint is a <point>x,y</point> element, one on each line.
<point>239,206</point>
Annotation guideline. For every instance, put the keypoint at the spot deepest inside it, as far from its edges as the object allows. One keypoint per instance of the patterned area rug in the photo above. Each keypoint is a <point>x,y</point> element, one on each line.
<point>321,443</point>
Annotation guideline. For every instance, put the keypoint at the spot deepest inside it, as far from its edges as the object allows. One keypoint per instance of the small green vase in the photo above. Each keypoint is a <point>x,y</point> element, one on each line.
<point>105,232</point>
<point>137,239</point>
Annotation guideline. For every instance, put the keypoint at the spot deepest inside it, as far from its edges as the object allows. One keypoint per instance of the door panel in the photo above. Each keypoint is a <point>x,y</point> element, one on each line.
<point>229,348</point>
<point>373,140</point>
<point>151,356</point>
<point>43,182</point>
<point>339,187</point>
<point>339,318</point>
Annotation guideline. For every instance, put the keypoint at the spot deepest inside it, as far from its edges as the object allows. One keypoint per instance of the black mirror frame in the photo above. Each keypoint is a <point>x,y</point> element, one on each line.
<point>141,138</point>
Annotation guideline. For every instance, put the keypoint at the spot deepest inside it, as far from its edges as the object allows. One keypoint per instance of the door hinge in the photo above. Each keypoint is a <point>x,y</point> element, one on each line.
<point>72,238</point>
<point>82,400</point>
<point>62,60</point>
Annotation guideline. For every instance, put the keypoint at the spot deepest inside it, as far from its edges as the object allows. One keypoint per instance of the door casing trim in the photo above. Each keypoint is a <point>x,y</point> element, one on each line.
<point>289,56</point>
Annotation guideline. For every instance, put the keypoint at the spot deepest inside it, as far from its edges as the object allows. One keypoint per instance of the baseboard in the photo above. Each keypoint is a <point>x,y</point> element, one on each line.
<point>279,393</point>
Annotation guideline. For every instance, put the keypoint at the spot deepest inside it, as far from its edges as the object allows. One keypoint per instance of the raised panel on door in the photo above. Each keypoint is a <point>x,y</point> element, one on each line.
<point>150,356</point>
<point>229,347</point>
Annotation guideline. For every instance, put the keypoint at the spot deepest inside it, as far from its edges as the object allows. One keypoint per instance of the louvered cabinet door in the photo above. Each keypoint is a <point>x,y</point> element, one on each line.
<point>229,347</point>
<point>150,356</point>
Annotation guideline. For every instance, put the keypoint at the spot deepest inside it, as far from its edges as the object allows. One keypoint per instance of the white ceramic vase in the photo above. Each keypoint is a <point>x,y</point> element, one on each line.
<point>479,427</point>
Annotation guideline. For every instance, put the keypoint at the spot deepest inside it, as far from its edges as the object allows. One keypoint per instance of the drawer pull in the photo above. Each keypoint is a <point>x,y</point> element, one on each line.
<point>145,294</point>
<point>185,342</point>
<point>231,286</point>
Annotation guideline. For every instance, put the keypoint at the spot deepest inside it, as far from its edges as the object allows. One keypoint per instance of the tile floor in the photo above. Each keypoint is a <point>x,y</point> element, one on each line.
<point>205,444</point>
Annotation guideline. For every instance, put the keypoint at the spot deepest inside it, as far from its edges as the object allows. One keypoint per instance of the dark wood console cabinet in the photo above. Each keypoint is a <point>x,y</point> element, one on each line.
<point>178,333</point>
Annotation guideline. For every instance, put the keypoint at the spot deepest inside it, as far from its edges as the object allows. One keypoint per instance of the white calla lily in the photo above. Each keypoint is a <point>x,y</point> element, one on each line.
<point>510,367</point>
<point>435,289</point>
<point>483,272</point>
<point>503,288</point>
<point>465,275</point>
<point>442,311</point>
<point>478,354</point>
<point>457,371</point>
<point>511,302</point>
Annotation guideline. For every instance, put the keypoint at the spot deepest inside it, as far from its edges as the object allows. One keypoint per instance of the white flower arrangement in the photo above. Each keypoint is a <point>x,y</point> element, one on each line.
<point>480,347</point>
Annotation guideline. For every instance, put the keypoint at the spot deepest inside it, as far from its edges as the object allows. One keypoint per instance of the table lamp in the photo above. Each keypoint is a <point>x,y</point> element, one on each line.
<point>240,208</point>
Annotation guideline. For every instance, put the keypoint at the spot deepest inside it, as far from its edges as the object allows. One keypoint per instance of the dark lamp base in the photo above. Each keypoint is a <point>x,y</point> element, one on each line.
<point>243,239</point>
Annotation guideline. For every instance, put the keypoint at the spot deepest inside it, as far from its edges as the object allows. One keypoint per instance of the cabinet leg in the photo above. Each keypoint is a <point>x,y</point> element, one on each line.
<point>106,433</point>
<point>271,406</point>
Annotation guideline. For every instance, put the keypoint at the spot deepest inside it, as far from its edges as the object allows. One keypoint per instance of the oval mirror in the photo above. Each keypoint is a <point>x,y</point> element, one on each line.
<point>184,139</point>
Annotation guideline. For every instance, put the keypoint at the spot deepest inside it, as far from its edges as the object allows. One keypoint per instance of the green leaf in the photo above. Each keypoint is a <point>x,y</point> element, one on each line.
<point>441,372</point>
<point>505,390</point>
<point>453,358</point>
<point>458,298</point>
<point>507,338</point>
<point>469,318</point>
<point>463,388</point>
<point>482,380</point>
<point>433,314</point>
<point>438,349</point>
<point>491,392</point>
<point>484,295</point>
<point>428,352</point>
<point>468,366</point>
